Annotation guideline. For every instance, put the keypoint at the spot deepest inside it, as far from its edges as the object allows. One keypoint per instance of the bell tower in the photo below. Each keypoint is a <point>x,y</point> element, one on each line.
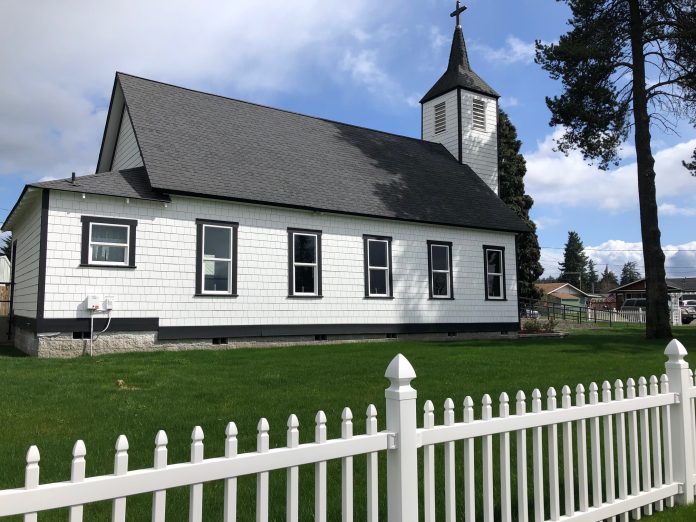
<point>461,112</point>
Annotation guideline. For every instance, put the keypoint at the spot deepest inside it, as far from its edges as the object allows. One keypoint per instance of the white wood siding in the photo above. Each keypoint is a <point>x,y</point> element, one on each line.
<point>479,148</point>
<point>5,269</point>
<point>127,153</point>
<point>449,138</point>
<point>27,233</point>
<point>163,284</point>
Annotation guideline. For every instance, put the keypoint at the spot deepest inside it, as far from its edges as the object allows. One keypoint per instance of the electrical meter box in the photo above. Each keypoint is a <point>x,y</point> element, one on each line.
<point>94,303</point>
<point>108,302</point>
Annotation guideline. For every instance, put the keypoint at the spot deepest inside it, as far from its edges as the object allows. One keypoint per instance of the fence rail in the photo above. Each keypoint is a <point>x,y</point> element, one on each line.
<point>621,449</point>
<point>530,308</point>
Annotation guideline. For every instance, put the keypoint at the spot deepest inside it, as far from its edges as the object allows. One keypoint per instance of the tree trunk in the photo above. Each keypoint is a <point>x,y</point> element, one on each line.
<point>658,325</point>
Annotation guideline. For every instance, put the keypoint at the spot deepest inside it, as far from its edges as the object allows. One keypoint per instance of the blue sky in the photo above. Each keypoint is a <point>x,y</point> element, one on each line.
<point>361,62</point>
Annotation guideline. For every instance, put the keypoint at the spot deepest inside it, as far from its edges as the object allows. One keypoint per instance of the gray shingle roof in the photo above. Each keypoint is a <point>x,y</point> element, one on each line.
<point>459,73</point>
<point>686,284</point>
<point>131,183</point>
<point>198,143</point>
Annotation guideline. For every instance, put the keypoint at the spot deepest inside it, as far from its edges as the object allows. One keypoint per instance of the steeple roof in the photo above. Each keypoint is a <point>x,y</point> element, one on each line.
<point>459,73</point>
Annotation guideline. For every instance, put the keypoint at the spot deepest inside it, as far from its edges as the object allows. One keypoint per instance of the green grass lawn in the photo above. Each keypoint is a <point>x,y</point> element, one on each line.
<point>52,403</point>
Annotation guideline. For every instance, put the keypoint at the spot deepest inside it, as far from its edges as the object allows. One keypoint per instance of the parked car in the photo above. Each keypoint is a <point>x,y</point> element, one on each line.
<point>634,305</point>
<point>529,313</point>
<point>688,311</point>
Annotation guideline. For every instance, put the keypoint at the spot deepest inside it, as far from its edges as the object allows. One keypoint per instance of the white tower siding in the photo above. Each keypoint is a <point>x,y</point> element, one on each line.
<point>479,147</point>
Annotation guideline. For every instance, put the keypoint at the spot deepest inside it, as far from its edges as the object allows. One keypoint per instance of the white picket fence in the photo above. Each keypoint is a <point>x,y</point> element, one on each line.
<point>622,450</point>
<point>628,316</point>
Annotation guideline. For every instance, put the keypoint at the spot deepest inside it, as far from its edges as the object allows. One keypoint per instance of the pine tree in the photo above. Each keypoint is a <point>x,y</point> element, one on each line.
<point>629,273</point>
<point>626,66</point>
<point>609,281</point>
<point>574,266</point>
<point>592,278</point>
<point>512,169</point>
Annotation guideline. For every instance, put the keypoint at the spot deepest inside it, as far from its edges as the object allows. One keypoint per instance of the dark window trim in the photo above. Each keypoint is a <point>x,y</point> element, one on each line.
<point>199,256</point>
<point>390,292</point>
<point>486,248</point>
<point>132,237</point>
<point>291,256</point>
<point>448,244</point>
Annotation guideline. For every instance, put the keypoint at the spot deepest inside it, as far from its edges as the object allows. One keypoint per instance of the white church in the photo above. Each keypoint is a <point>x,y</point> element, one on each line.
<point>214,221</point>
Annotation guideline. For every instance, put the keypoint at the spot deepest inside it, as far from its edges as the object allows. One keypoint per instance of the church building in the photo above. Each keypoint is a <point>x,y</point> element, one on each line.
<point>214,221</point>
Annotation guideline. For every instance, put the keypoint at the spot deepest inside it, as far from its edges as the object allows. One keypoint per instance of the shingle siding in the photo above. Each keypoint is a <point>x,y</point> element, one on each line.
<point>27,233</point>
<point>480,148</point>
<point>163,284</point>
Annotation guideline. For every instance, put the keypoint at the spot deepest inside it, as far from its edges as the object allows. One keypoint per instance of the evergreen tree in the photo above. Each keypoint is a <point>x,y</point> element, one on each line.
<point>512,169</point>
<point>691,166</point>
<point>6,245</point>
<point>630,273</point>
<point>626,65</point>
<point>592,278</point>
<point>609,281</point>
<point>574,266</point>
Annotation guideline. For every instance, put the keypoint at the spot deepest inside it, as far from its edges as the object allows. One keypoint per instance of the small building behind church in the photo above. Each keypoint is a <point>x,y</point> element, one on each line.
<point>213,221</point>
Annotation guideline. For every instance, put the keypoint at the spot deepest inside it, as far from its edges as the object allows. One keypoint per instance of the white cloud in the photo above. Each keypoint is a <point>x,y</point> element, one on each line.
<point>514,51</point>
<point>509,101</point>
<point>557,179</point>
<point>668,209</point>
<point>680,260</point>
<point>543,222</point>
<point>438,39</point>
<point>57,76</point>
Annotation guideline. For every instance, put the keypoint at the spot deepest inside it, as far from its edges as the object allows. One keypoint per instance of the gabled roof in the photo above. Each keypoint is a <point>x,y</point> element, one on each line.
<point>552,288</point>
<point>459,73</point>
<point>199,144</point>
<point>685,284</point>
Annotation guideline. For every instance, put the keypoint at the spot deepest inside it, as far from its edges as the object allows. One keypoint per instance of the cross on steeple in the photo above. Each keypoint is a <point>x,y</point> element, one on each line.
<point>458,11</point>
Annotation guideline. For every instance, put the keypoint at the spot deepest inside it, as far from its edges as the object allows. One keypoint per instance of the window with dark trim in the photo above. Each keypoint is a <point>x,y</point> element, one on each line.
<point>378,266</point>
<point>108,242</point>
<point>494,269</point>
<point>216,258</point>
<point>440,270</point>
<point>304,263</point>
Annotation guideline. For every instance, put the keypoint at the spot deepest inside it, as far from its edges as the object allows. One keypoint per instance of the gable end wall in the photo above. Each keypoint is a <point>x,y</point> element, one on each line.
<point>127,153</point>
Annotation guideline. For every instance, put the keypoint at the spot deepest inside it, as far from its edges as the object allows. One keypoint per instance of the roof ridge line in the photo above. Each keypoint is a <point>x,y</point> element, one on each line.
<point>287,111</point>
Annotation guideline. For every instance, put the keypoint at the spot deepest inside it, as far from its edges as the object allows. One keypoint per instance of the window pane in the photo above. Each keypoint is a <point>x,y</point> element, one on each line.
<point>440,257</point>
<point>494,286</point>
<point>108,254</point>
<point>378,282</point>
<point>216,276</point>
<point>440,282</point>
<point>109,234</point>
<point>304,280</point>
<point>305,249</point>
<point>494,262</point>
<point>217,242</point>
<point>377,251</point>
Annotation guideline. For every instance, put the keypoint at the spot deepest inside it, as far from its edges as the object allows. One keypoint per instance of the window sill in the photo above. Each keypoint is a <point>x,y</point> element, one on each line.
<point>496,298</point>
<point>440,298</point>
<point>125,267</point>
<point>305,297</point>
<point>382,297</point>
<point>216,295</point>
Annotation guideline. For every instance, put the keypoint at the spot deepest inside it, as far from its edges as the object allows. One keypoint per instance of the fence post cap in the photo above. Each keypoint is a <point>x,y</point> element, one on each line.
<point>400,370</point>
<point>197,434</point>
<point>320,417</point>
<point>121,443</point>
<point>293,421</point>
<point>231,429</point>
<point>161,438</point>
<point>79,449</point>
<point>33,455</point>
<point>675,351</point>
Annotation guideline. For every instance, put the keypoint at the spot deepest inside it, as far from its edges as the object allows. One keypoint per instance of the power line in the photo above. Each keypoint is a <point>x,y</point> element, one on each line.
<point>623,250</point>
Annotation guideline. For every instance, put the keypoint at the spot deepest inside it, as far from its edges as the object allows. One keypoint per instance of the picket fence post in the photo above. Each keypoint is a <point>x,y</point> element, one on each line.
<point>402,458</point>
<point>680,382</point>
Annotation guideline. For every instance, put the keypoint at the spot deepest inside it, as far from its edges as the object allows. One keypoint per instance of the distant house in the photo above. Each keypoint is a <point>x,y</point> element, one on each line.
<point>4,269</point>
<point>564,293</point>
<point>678,288</point>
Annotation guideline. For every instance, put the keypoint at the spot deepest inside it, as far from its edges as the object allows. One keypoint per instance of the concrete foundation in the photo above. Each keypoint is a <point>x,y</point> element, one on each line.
<point>63,345</point>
